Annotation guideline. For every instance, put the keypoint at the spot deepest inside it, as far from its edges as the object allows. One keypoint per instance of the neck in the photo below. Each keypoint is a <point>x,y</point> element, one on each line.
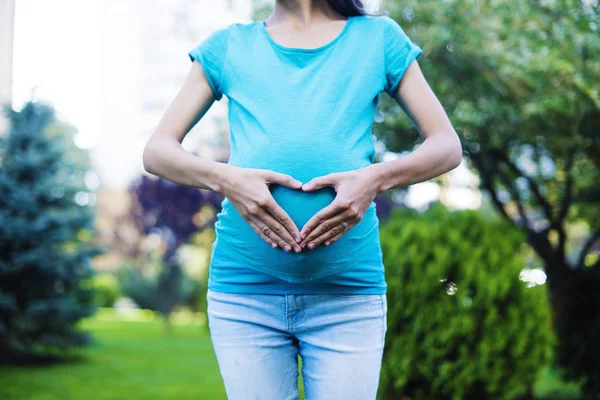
<point>302,13</point>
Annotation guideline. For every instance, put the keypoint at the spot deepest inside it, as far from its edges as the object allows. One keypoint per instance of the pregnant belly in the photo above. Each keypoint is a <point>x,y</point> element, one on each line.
<point>300,205</point>
<point>237,243</point>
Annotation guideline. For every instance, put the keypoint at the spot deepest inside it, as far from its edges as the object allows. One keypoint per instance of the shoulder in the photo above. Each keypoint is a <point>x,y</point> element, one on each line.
<point>223,33</point>
<point>381,26</point>
<point>220,35</point>
<point>236,29</point>
<point>387,25</point>
<point>233,33</point>
<point>220,39</point>
<point>381,22</point>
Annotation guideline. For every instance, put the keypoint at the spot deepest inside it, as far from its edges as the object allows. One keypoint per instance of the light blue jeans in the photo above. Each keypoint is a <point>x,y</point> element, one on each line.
<point>257,339</point>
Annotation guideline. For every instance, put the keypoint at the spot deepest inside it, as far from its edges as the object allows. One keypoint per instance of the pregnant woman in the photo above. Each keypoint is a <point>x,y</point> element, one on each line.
<point>296,267</point>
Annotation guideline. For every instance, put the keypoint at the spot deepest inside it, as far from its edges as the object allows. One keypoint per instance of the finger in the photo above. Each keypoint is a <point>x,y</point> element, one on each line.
<point>322,215</point>
<point>281,179</point>
<point>320,182</point>
<point>268,232</point>
<point>327,225</point>
<point>336,237</point>
<point>337,230</point>
<point>279,230</point>
<point>257,215</point>
<point>266,238</point>
<point>284,219</point>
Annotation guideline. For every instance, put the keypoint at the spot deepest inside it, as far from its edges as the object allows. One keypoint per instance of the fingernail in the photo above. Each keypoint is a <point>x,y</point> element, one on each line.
<point>326,243</point>
<point>311,245</point>
<point>273,245</point>
<point>297,248</point>
<point>287,247</point>
<point>297,239</point>
<point>304,236</point>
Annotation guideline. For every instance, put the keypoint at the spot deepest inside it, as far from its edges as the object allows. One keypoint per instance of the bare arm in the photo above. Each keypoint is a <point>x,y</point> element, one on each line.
<point>163,154</point>
<point>246,188</point>
<point>440,152</point>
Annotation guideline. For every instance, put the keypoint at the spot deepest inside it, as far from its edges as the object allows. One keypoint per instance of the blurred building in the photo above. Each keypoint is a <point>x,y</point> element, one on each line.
<point>7,23</point>
<point>168,31</point>
<point>148,42</point>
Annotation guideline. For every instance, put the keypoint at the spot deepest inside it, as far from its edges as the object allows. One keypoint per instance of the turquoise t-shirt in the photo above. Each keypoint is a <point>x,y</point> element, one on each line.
<point>306,113</point>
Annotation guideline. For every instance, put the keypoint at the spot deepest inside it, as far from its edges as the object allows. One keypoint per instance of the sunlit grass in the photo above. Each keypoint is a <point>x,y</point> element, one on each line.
<point>132,358</point>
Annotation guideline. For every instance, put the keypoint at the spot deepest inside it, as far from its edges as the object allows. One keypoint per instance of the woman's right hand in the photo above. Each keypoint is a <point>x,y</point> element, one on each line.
<point>248,190</point>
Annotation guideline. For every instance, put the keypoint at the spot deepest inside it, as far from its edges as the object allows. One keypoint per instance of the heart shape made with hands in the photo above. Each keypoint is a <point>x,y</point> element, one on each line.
<point>325,226</point>
<point>302,205</point>
<point>322,214</point>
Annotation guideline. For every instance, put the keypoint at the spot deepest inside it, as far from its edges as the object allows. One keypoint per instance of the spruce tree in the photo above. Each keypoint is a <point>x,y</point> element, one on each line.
<point>46,227</point>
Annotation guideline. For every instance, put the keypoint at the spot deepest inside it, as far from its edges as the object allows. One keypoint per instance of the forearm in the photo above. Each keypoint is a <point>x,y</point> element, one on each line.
<point>166,158</point>
<point>437,155</point>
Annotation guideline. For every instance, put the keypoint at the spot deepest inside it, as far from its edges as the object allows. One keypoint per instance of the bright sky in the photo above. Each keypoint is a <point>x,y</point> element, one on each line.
<point>78,58</point>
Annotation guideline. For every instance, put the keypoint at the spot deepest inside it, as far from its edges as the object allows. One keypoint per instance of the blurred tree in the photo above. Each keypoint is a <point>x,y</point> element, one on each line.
<point>173,212</point>
<point>261,9</point>
<point>159,288</point>
<point>106,289</point>
<point>461,324</point>
<point>46,227</point>
<point>519,81</point>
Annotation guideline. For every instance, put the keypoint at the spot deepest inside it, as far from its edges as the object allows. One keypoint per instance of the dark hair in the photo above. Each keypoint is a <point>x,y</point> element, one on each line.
<point>349,8</point>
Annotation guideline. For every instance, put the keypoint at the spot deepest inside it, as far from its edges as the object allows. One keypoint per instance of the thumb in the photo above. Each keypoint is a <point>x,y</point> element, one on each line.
<point>283,179</point>
<point>320,182</point>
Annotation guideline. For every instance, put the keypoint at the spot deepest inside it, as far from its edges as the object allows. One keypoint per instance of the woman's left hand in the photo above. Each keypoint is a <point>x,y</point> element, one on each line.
<point>355,190</point>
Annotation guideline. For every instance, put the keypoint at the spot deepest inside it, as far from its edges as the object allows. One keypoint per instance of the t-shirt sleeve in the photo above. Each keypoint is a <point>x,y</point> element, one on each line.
<point>400,52</point>
<point>210,53</point>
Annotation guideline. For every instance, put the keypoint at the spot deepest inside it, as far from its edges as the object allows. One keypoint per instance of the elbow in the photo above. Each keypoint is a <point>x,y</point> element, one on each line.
<point>456,155</point>
<point>148,158</point>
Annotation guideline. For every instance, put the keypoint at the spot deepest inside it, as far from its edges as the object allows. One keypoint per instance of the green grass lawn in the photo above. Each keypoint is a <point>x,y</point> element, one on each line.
<point>132,358</point>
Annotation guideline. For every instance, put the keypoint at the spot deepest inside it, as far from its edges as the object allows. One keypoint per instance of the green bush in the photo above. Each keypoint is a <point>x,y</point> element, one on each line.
<point>106,289</point>
<point>461,324</point>
<point>159,289</point>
